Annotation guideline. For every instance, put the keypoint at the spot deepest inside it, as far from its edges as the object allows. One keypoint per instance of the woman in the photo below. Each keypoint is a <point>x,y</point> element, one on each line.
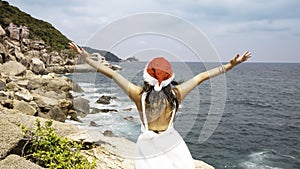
<point>160,145</point>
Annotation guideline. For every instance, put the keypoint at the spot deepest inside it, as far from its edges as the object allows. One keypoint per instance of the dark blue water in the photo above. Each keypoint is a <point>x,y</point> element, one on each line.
<point>260,124</point>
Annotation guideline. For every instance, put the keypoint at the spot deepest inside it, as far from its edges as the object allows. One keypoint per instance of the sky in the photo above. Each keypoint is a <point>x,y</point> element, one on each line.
<point>267,28</point>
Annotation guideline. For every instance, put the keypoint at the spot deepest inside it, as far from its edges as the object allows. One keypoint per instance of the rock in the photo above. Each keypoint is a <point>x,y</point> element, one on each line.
<point>55,58</point>
<point>45,58</point>
<point>59,85</point>
<point>19,55</point>
<point>95,110</point>
<point>2,85</point>
<point>7,103</point>
<point>25,61</point>
<point>1,59</point>
<point>17,162</point>
<point>34,105</point>
<point>33,53</point>
<point>26,41</point>
<point>37,66</point>
<point>12,86</point>
<point>116,67</point>
<point>65,104</point>
<point>45,103</point>
<point>2,31</point>
<point>44,115</point>
<point>73,115</point>
<point>12,68</point>
<point>202,165</point>
<point>58,69</point>
<point>24,107</point>
<point>127,109</point>
<point>14,31</point>
<point>108,110</point>
<point>29,75</point>
<point>62,129</point>
<point>105,99</point>
<point>81,105</point>
<point>57,114</point>
<point>77,88</point>
<point>24,94</point>
<point>11,134</point>
<point>129,118</point>
<point>108,133</point>
<point>3,96</point>
<point>93,124</point>
<point>37,45</point>
<point>22,83</point>
<point>24,32</point>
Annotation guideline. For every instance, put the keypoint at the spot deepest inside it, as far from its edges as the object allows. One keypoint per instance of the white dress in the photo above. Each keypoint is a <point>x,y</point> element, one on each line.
<point>166,150</point>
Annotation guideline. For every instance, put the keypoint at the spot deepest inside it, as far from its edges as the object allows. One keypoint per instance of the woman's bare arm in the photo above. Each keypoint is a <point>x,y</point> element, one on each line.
<point>129,88</point>
<point>183,89</point>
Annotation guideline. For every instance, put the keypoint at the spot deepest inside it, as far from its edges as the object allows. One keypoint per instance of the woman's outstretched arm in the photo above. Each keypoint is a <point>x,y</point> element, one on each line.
<point>129,88</point>
<point>183,89</point>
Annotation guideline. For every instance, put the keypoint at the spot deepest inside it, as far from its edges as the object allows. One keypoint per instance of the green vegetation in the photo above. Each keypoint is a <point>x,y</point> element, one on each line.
<point>38,29</point>
<point>47,149</point>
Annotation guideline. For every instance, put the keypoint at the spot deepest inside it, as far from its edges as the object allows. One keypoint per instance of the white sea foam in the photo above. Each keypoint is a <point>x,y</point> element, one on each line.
<point>261,160</point>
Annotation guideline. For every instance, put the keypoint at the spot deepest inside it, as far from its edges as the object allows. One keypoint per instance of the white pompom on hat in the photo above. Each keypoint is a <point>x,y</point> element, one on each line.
<point>158,73</point>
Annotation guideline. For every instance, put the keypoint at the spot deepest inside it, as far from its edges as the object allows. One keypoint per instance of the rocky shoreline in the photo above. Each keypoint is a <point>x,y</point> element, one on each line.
<point>32,85</point>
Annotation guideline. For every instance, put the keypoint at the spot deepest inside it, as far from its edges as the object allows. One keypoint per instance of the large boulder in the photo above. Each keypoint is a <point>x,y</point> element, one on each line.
<point>55,58</point>
<point>14,31</point>
<point>77,88</point>
<point>37,66</point>
<point>45,103</point>
<point>37,44</point>
<point>33,53</point>
<point>81,105</point>
<point>57,114</point>
<point>11,134</point>
<point>12,68</point>
<point>17,162</point>
<point>24,107</point>
<point>24,32</point>
<point>24,94</point>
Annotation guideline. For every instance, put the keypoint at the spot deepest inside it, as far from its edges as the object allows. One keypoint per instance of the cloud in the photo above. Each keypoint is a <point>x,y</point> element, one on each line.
<point>219,20</point>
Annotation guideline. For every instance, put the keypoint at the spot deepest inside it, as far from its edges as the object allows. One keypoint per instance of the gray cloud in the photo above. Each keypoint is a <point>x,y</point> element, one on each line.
<point>225,22</point>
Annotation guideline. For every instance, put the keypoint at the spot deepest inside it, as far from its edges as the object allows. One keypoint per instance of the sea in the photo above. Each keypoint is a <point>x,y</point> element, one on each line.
<point>258,119</point>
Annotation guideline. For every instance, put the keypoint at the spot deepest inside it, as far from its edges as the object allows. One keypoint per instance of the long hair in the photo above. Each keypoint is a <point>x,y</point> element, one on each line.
<point>157,101</point>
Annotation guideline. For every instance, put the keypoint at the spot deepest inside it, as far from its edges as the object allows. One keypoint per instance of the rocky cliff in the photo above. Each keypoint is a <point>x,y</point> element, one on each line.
<point>30,88</point>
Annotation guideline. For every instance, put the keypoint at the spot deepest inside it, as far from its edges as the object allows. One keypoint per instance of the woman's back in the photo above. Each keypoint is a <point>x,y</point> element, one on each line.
<point>158,109</point>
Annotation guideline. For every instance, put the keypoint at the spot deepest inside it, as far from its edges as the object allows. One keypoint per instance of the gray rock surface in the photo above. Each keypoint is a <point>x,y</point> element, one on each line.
<point>17,162</point>
<point>24,107</point>
<point>23,94</point>
<point>2,85</point>
<point>57,114</point>
<point>81,105</point>
<point>12,68</point>
<point>37,66</point>
<point>11,134</point>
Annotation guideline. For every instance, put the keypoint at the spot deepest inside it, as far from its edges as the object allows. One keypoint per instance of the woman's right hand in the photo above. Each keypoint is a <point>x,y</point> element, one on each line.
<point>75,48</point>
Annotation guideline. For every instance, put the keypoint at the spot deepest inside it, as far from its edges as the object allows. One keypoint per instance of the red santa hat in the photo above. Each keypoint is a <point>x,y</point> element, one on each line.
<point>158,73</point>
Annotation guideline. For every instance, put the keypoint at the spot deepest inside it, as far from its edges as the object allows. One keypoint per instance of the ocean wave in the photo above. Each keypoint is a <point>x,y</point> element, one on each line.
<point>268,159</point>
